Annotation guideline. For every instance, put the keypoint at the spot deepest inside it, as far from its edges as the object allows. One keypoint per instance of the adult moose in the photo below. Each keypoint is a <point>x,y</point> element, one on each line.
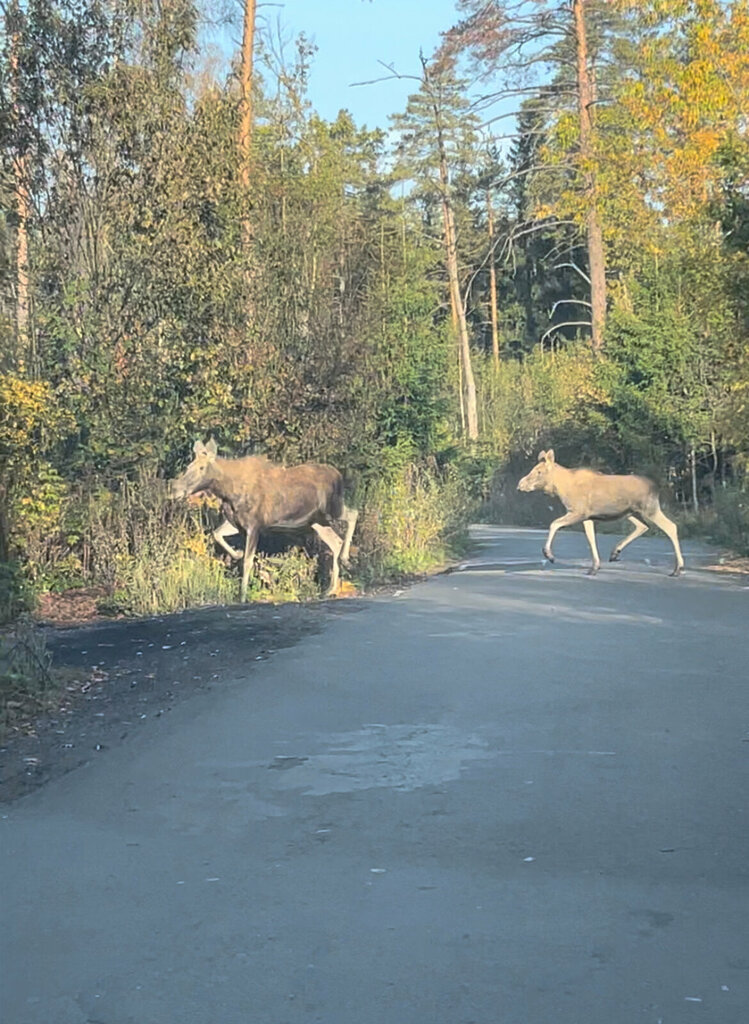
<point>259,496</point>
<point>589,496</point>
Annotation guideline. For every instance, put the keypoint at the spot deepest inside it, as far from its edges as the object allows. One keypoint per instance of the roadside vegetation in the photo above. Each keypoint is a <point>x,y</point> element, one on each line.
<point>188,249</point>
<point>28,683</point>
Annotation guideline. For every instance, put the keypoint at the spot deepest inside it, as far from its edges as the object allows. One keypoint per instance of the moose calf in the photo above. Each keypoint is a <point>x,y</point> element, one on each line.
<point>589,496</point>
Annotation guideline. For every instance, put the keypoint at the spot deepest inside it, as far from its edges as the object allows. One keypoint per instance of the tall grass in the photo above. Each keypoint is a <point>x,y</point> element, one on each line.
<point>151,554</point>
<point>415,519</point>
<point>288,576</point>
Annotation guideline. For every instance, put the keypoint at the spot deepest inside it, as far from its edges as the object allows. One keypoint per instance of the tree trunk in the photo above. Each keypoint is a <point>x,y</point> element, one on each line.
<point>693,468</point>
<point>469,381</point>
<point>596,257</point>
<point>23,201</point>
<point>23,213</point>
<point>456,335</point>
<point>492,282</point>
<point>4,528</point>
<point>246,114</point>
<point>453,276</point>
<point>468,389</point>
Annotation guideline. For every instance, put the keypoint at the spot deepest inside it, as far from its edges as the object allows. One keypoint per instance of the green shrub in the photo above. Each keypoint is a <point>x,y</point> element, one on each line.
<point>290,576</point>
<point>168,575</point>
<point>731,520</point>
<point>725,522</point>
<point>415,518</point>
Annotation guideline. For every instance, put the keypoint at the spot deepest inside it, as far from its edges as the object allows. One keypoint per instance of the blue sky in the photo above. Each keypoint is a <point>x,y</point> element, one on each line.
<point>352,36</point>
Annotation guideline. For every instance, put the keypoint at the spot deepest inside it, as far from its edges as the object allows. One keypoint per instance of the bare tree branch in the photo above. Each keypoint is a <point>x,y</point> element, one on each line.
<point>565,323</point>
<point>562,302</point>
<point>574,266</point>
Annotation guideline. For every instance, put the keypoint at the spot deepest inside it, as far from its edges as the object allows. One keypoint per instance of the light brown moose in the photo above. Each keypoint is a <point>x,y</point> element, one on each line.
<point>259,496</point>
<point>589,496</point>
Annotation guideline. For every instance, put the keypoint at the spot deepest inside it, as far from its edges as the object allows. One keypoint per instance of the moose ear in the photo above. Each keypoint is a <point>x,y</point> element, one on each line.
<point>541,456</point>
<point>212,448</point>
<point>198,447</point>
<point>550,455</point>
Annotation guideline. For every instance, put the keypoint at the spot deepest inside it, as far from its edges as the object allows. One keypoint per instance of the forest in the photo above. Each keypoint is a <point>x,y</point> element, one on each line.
<point>548,246</point>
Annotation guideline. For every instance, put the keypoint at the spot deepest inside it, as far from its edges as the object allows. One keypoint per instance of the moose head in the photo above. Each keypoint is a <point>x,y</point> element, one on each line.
<point>197,476</point>
<point>539,478</point>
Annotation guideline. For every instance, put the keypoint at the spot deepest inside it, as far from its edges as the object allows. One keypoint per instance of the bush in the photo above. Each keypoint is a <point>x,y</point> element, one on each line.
<point>558,398</point>
<point>725,522</point>
<point>290,576</point>
<point>414,519</point>
<point>731,520</point>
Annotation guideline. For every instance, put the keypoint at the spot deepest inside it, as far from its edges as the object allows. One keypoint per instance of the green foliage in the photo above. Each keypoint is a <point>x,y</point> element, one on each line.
<point>561,397</point>
<point>290,576</point>
<point>673,334</point>
<point>32,422</point>
<point>415,519</point>
<point>724,522</point>
<point>728,522</point>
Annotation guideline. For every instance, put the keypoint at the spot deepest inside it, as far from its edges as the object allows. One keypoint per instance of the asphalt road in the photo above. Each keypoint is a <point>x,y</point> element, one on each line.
<point>508,795</point>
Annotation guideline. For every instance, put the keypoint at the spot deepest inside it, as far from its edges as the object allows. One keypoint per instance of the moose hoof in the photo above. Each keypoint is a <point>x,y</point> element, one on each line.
<point>615,555</point>
<point>547,554</point>
<point>678,571</point>
<point>593,571</point>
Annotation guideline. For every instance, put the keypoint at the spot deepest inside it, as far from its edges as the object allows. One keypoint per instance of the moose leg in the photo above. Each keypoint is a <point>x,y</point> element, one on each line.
<point>567,520</point>
<point>331,539</point>
<point>350,515</point>
<point>669,528</point>
<point>221,533</point>
<point>590,533</point>
<point>250,545</point>
<point>639,529</point>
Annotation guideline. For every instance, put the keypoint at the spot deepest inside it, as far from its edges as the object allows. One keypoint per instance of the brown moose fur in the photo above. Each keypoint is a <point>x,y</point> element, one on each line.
<point>258,495</point>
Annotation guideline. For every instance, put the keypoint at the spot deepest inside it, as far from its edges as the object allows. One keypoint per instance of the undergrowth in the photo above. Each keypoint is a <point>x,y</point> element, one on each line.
<point>415,519</point>
<point>725,522</point>
<point>28,684</point>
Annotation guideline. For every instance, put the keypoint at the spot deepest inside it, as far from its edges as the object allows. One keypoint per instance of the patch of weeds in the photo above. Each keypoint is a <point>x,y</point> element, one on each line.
<point>27,683</point>
<point>152,555</point>
<point>725,522</point>
<point>290,576</point>
<point>182,573</point>
<point>414,521</point>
